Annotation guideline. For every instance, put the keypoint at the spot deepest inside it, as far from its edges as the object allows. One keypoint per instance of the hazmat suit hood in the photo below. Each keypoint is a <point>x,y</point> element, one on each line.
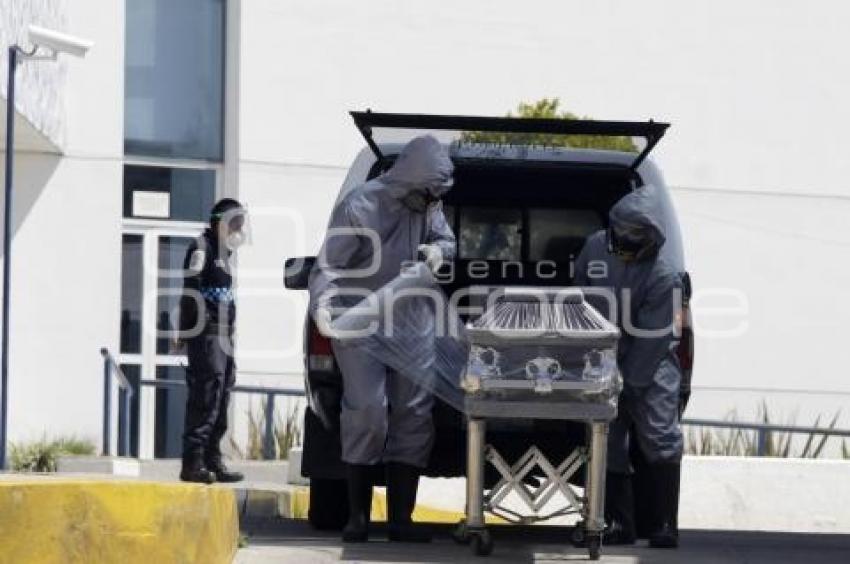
<point>423,168</point>
<point>377,227</point>
<point>635,225</point>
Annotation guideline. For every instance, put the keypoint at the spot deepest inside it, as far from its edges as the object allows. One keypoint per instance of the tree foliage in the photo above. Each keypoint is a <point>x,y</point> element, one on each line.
<point>548,108</point>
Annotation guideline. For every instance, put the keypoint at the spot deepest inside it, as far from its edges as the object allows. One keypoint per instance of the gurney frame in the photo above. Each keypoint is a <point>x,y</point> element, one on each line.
<point>592,457</point>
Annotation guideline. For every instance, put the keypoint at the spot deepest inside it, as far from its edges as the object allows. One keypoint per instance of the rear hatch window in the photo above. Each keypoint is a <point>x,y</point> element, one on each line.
<point>490,234</point>
<point>559,235</point>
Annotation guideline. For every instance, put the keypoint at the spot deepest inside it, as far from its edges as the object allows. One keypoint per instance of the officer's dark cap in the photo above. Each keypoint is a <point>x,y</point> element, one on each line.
<point>222,207</point>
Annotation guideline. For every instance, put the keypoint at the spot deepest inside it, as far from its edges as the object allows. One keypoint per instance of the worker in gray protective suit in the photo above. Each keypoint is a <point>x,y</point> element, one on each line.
<point>625,259</point>
<point>374,229</point>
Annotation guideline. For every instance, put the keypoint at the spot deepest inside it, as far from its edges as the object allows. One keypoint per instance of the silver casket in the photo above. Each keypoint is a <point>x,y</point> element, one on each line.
<point>541,353</point>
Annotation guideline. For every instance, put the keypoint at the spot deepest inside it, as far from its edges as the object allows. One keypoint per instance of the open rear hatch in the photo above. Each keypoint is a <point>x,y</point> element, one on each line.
<point>498,137</point>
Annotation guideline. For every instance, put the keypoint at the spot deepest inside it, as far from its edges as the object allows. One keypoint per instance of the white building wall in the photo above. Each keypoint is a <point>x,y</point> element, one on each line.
<point>66,256</point>
<point>754,90</point>
<point>755,93</point>
<point>40,89</point>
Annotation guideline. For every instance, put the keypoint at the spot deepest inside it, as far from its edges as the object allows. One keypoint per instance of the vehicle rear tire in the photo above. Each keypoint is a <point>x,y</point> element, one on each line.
<point>328,504</point>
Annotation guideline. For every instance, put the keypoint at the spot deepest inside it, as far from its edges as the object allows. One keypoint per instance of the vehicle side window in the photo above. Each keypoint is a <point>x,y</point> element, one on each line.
<point>490,234</point>
<point>559,235</point>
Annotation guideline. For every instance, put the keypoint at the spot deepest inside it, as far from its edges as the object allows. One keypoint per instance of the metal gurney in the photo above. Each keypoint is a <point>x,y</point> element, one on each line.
<point>534,353</point>
<point>538,354</point>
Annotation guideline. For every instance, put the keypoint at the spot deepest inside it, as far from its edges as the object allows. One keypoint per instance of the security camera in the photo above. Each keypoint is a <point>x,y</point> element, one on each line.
<point>58,42</point>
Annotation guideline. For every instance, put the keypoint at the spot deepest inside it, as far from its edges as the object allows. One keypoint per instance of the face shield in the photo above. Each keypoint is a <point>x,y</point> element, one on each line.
<point>630,243</point>
<point>234,228</point>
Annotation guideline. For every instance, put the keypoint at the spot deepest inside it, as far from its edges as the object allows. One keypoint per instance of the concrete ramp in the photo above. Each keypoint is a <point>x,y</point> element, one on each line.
<point>45,520</point>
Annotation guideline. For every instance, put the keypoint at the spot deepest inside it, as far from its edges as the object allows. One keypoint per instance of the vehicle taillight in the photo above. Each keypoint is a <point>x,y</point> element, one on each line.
<point>319,352</point>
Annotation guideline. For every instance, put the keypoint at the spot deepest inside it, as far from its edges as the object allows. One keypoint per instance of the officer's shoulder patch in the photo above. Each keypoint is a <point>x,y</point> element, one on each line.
<point>196,261</point>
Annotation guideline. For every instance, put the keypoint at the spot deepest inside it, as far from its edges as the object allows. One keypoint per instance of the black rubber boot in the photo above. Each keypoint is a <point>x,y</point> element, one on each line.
<point>666,478</point>
<point>359,478</point>
<point>194,470</point>
<point>222,474</point>
<point>619,510</point>
<point>643,491</point>
<point>402,485</point>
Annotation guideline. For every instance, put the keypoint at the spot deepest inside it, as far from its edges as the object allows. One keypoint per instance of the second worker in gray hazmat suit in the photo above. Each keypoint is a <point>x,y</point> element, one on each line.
<point>375,229</point>
<point>625,259</point>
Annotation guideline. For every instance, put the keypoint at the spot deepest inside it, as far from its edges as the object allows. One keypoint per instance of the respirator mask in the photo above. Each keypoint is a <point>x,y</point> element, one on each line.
<point>235,228</point>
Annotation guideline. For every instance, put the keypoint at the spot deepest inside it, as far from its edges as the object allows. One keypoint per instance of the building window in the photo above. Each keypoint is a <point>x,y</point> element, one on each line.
<point>131,294</point>
<point>172,252</point>
<point>170,413</point>
<point>158,192</point>
<point>134,376</point>
<point>174,82</point>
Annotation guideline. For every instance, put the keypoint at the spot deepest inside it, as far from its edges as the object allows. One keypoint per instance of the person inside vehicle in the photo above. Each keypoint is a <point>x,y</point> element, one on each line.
<point>625,259</point>
<point>207,321</point>
<point>386,419</point>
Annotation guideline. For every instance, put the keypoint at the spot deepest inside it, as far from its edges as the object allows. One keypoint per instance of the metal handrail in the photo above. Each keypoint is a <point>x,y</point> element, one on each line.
<point>769,427</point>
<point>241,389</point>
<point>762,430</point>
<point>270,393</point>
<point>122,378</point>
<point>125,391</point>
<point>111,369</point>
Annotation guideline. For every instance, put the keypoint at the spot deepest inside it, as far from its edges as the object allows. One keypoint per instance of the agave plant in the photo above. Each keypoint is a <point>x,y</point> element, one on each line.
<point>707,441</point>
<point>287,432</point>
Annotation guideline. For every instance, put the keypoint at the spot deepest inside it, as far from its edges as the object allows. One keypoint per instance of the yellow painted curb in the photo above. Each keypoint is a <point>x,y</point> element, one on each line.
<point>80,521</point>
<point>295,504</point>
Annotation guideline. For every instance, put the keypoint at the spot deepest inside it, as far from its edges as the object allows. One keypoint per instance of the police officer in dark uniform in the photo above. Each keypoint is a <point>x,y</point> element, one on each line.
<point>207,317</point>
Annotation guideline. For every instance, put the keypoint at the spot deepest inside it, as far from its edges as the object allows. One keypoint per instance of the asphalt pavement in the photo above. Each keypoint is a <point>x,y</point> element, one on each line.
<point>294,541</point>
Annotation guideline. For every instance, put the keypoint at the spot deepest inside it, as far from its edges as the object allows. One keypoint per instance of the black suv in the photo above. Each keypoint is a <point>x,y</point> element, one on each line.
<point>527,193</point>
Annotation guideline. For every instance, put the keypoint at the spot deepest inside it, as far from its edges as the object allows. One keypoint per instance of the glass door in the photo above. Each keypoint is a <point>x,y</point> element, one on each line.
<point>152,279</point>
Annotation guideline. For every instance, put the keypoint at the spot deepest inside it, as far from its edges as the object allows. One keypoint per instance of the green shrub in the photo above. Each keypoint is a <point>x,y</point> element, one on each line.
<point>42,455</point>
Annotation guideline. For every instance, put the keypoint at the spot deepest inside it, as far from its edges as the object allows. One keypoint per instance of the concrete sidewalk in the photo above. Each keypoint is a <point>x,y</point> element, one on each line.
<point>718,493</point>
<point>293,541</point>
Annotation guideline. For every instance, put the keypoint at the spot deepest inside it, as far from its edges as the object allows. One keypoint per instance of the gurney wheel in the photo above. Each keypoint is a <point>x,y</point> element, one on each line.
<point>461,534</point>
<point>594,546</point>
<point>579,535</point>
<point>482,543</point>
